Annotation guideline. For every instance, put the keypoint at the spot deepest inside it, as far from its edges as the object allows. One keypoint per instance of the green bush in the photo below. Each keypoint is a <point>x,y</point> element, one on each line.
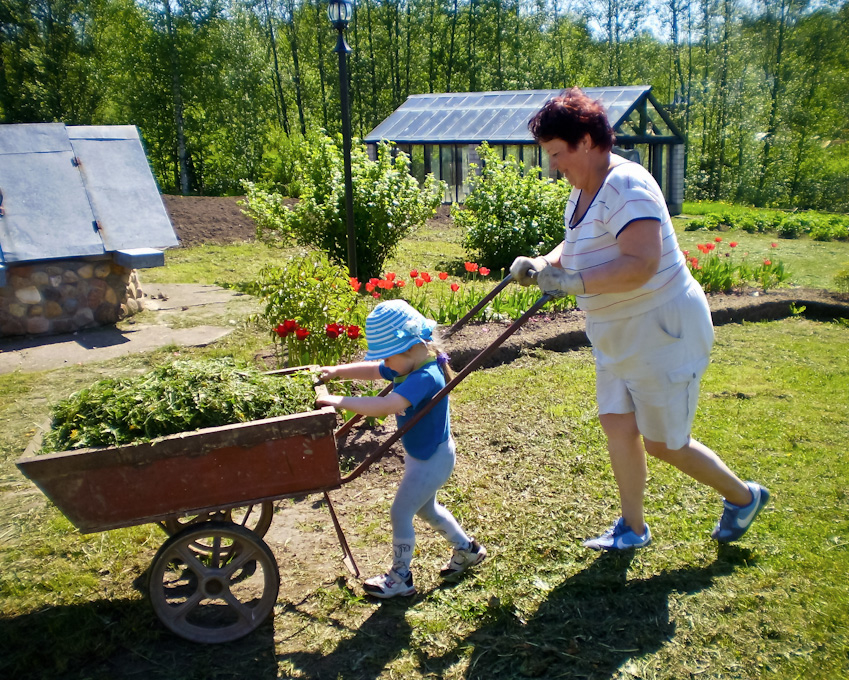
<point>833,228</point>
<point>841,279</point>
<point>311,310</point>
<point>792,226</point>
<point>388,204</point>
<point>507,214</point>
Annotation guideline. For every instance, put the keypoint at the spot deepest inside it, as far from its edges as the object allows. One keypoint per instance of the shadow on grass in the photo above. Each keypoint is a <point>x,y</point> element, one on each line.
<point>112,639</point>
<point>365,654</point>
<point>588,626</point>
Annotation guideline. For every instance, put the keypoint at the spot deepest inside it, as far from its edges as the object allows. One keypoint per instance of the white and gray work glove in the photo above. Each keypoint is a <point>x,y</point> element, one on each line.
<point>558,282</point>
<point>522,266</point>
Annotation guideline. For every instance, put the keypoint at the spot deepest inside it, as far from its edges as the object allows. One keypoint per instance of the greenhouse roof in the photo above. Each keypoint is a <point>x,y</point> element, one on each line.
<point>502,117</point>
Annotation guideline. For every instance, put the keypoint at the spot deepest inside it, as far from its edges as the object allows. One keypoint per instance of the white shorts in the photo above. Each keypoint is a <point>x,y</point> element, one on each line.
<point>651,365</point>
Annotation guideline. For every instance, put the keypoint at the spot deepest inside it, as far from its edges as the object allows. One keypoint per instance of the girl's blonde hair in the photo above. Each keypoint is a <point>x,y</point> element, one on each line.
<point>442,358</point>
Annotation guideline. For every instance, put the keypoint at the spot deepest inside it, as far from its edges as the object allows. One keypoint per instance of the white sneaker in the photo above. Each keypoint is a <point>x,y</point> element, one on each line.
<point>389,585</point>
<point>462,560</point>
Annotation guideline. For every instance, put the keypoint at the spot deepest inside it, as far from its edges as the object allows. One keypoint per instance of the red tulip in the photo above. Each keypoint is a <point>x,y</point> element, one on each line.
<point>426,277</point>
<point>455,287</point>
<point>414,273</point>
<point>333,330</point>
<point>733,244</point>
<point>353,332</point>
<point>443,275</point>
<point>301,333</point>
<point>483,271</point>
<point>718,239</point>
<point>419,283</point>
<point>767,263</point>
<point>390,276</point>
<point>471,267</point>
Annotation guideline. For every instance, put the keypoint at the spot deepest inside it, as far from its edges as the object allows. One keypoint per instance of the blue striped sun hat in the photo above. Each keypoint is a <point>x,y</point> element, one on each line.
<point>393,327</point>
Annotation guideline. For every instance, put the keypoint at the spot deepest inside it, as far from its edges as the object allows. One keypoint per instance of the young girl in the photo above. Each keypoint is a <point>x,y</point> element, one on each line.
<point>401,339</point>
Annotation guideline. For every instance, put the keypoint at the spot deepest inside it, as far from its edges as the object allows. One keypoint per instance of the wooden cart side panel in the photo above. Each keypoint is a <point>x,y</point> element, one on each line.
<point>99,489</point>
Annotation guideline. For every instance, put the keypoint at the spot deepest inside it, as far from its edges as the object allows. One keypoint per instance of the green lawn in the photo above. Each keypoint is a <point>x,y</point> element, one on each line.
<point>531,482</point>
<point>811,263</point>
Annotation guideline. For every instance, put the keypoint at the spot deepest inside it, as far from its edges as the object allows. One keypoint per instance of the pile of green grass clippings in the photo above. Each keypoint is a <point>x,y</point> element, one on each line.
<point>181,397</point>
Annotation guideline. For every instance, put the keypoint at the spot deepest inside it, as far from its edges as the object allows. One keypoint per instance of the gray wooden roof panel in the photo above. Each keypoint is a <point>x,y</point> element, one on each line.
<point>77,191</point>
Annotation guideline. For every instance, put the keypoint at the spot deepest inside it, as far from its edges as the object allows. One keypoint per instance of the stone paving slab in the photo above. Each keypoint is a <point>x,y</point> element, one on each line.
<point>99,344</point>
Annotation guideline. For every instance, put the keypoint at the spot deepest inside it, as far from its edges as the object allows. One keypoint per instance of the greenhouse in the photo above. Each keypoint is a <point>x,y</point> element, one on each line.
<point>441,133</point>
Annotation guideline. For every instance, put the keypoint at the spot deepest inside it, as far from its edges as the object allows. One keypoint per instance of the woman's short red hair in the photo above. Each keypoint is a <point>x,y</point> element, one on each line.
<point>570,116</point>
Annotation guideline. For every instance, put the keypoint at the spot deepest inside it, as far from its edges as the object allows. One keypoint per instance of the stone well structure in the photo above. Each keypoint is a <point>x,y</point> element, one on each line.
<point>63,296</point>
<point>80,212</point>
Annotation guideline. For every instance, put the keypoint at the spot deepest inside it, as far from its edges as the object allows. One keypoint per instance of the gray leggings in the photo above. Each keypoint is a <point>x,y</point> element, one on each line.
<point>417,496</point>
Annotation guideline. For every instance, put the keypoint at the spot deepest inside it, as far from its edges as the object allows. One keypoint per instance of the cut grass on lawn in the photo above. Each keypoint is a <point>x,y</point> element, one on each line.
<point>532,481</point>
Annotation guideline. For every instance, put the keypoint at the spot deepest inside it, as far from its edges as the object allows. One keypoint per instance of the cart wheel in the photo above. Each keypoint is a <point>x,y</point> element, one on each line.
<point>257,518</point>
<point>218,596</point>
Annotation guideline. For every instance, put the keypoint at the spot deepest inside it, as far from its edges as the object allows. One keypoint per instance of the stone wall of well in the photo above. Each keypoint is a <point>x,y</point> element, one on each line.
<point>63,296</point>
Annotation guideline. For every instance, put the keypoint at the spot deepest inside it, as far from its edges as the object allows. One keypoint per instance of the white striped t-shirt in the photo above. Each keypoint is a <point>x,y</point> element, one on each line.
<point>629,193</point>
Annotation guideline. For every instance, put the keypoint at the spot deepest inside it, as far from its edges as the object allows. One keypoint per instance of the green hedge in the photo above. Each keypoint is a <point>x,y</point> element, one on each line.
<point>817,226</point>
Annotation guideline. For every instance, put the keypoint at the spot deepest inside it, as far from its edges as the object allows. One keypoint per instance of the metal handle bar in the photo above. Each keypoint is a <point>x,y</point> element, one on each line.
<point>479,306</point>
<point>472,365</point>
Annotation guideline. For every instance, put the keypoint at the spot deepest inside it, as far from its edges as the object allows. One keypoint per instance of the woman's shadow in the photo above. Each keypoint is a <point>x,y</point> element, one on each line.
<point>588,626</point>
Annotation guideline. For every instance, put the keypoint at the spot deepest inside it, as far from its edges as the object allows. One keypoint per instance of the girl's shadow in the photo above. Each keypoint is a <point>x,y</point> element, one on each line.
<point>365,654</point>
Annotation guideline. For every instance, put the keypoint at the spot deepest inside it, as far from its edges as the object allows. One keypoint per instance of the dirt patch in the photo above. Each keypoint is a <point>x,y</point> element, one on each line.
<point>209,219</point>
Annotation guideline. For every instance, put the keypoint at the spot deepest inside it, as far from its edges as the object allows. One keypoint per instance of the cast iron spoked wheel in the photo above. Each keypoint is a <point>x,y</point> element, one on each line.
<point>256,517</point>
<point>217,596</point>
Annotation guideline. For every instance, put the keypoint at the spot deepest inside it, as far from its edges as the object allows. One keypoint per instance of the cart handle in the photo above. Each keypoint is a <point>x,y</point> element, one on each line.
<point>472,365</point>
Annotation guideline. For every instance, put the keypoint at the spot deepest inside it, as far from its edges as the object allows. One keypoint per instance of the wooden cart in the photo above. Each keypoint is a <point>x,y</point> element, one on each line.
<point>212,490</point>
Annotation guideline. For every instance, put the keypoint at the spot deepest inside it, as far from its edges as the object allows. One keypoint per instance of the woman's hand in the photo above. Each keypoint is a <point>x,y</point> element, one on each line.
<point>523,266</point>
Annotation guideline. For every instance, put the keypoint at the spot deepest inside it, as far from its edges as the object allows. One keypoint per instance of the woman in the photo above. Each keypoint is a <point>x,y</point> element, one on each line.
<point>647,318</point>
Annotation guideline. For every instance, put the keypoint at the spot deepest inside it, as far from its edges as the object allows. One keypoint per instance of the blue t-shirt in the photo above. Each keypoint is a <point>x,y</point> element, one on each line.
<point>418,387</point>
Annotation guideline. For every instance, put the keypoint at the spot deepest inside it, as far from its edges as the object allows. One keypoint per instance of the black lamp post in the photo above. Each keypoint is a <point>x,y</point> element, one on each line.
<point>340,13</point>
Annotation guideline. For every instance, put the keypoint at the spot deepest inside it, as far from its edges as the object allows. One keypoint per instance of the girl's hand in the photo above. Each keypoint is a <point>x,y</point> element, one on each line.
<point>326,373</point>
<point>330,400</point>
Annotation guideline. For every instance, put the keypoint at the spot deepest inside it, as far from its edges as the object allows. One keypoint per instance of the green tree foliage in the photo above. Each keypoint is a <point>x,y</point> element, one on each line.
<point>510,212</point>
<point>388,204</point>
<point>757,88</point>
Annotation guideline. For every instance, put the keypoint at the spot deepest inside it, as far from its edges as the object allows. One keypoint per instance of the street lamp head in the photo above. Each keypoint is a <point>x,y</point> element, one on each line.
<point>340,12</point>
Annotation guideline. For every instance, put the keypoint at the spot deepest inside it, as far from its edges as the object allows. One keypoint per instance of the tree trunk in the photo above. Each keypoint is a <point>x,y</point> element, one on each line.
<point>449,66</point>
<point>296,67</point>
<point>775,91</point>
<point>282,113</point>
<point>177,96</point>
<point>322,72</point>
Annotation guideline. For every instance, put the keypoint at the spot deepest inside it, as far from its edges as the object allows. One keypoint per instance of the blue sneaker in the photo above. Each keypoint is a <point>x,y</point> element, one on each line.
<point>736,519</point>
<point>620,537</point>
